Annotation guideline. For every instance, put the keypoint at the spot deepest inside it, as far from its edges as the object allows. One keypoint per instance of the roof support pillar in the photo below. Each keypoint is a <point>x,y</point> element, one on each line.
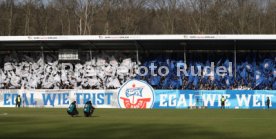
<point>235,59</point>
<point>184,44</point>
<point>185,59</point>
<point>42,56</point>
<point>91,56</point>
<point>137,52</point>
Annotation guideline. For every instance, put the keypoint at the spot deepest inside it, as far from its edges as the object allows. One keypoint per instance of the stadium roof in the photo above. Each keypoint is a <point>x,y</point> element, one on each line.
<point>133,42</point>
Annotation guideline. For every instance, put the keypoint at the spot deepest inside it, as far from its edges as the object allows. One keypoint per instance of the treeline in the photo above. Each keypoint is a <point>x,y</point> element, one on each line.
<point>83,17</point>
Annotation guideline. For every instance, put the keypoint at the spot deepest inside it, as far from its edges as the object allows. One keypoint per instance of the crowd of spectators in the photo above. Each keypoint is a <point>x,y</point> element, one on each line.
<point>254,71</point>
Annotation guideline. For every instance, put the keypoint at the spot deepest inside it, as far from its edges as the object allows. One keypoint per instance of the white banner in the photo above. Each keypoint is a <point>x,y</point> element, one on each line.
<point>59,98</point>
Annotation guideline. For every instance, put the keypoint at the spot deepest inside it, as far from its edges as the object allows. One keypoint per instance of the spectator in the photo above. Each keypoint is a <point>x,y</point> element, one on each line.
<point>18,101</point>
<point>268,102</point>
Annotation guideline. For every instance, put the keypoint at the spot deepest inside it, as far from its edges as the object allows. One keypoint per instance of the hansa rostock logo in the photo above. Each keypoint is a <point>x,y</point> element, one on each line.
<point>136,94</point>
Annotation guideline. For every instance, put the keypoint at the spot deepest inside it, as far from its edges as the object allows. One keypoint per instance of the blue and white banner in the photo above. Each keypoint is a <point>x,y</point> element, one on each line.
<point>138,94</point>
<point>162,98</point>
<point>245,99</point>
<point>59,98</point>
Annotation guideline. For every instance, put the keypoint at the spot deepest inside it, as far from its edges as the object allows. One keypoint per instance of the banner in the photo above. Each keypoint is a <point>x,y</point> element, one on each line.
<point>139,94</point>
<point>242,99</point>
<point>235,99</point>
<point>59,98</point>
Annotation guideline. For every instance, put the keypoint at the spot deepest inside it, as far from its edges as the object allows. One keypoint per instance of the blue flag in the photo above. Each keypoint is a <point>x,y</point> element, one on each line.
<point>243,74</point>
<point>267,66</point>
<point>195,82</point>
<point>259,78</point>
<point>274,86</point>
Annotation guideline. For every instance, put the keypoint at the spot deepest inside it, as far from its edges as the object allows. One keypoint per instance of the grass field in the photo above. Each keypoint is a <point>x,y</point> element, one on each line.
<point>131,124</point>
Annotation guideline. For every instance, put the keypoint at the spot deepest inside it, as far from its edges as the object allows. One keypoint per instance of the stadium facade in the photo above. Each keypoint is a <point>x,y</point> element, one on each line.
<point>128,71</point>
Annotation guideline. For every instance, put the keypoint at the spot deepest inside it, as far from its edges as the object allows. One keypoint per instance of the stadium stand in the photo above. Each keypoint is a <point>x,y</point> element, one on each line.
<point>29,70</point>
<point>254,71</point>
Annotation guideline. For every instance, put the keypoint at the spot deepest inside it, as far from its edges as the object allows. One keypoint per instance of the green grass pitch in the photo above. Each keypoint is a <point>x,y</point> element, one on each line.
<point>34,123</point>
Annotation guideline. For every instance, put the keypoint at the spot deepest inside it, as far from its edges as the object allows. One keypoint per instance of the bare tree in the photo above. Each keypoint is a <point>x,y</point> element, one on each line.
<point>83,17</point>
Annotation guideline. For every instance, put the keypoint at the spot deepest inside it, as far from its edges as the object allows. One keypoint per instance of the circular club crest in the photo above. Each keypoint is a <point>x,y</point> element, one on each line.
<point>136,94</point>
